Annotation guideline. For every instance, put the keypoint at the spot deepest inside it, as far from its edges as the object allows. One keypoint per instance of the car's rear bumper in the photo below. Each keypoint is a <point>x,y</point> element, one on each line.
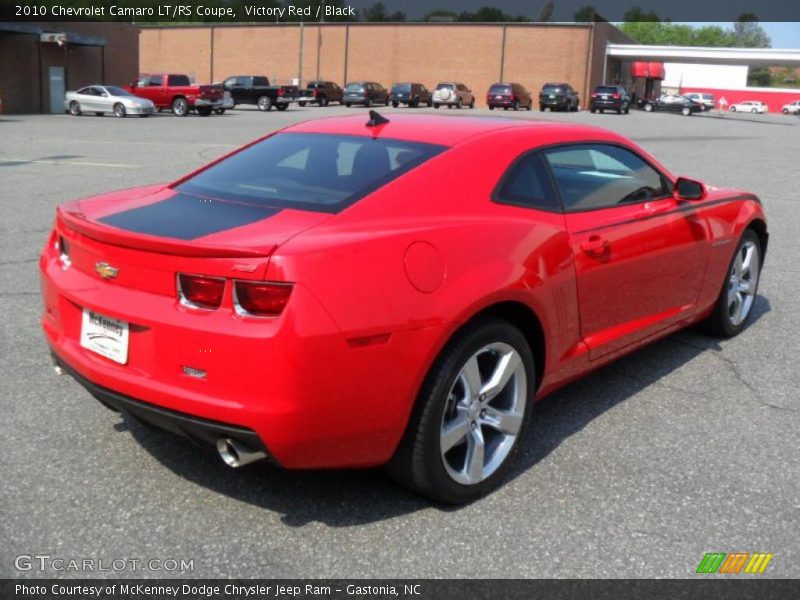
<point>609,104</point>
<point>315,397</point>
<point>205,103</point>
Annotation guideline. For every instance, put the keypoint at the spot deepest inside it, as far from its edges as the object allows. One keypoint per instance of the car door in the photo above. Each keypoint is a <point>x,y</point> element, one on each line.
<point>105,102</point>
<point>640,254</point>
<point>86,98</point>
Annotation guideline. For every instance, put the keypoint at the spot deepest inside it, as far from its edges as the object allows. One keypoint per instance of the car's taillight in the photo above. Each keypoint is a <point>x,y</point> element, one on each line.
<point>616,96</point>
<point>281,91</point>
<point>199,291</point>
<point>259,298</point>
<point>316,93</point>
<point>513,98</point>
<point>594,95</point>
<point>62,247</point>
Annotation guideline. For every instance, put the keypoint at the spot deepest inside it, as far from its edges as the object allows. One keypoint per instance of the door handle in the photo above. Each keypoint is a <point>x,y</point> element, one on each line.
<point>595,245</point>
<point>650,209</point>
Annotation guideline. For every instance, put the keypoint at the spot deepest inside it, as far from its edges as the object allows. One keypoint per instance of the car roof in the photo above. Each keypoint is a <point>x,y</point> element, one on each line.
<point>432,129</point>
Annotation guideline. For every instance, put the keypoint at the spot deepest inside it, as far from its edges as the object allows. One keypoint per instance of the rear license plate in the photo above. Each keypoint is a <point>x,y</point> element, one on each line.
<point>605,97</point>
<point>499,97</point>
<point>105,336</point>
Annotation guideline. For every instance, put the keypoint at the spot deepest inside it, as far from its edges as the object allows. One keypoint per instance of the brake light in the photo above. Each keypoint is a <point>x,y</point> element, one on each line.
<point>513,98</point>
<point>316,93</point>
<point>595,95</point>
<point>615,96</point>
<point>199,291</point>
<point>281,91</point>
<point>260,299</point>
<point>62,247</point>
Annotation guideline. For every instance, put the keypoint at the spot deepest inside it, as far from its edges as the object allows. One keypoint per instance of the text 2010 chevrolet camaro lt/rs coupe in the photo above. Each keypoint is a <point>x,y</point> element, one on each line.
<point>354,291</point>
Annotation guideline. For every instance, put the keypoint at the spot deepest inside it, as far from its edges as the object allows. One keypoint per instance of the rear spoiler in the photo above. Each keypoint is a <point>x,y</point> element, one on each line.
<point>75,221</point>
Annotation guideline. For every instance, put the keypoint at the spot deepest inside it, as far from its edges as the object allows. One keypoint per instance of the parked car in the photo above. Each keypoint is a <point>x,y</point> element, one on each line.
<point>751,106</point>
<point>610,97</point>
<point>707,100</point>
<point>102,99</point>
<point>558,96</point>
<point>227,103</point>
<point>411,94</point>
<point>673,103</point>
<point>508,95</point>
<point>177,93</point>
<point>321,92</point>
<point>401,328</point>
<point>793,108</point>
<point>366,93</point>
<point>256,89</point>
<point>453,94</point>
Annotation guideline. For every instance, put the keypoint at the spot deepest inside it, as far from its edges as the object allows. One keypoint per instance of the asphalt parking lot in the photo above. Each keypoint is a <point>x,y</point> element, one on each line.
<point>686,447</point>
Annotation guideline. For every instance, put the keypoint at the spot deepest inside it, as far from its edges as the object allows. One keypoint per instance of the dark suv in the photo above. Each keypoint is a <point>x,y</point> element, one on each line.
<point>610,97</point>
<point>366,93</point>
<point>558,96</point>
<point>412,94</point>
<point>321,92</point>
<point>508,95</point>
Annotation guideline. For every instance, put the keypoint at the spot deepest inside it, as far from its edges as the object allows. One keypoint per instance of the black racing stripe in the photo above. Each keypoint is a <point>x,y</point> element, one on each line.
<point>188,217</point>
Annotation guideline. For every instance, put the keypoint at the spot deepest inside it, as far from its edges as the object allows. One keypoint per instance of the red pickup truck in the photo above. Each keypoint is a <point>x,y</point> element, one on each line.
<point>177,93</point>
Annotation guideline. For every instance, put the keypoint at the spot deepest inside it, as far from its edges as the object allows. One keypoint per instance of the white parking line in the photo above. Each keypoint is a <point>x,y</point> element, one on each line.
<point>76,163</point>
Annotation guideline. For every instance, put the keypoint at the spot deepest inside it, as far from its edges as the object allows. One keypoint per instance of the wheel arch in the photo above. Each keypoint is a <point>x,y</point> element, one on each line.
<point>760,227</point>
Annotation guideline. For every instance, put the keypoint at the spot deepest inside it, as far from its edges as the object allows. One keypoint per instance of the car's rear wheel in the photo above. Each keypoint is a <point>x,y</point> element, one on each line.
<point>733,109</point>
<point>541,108</point>
<point>530,105</point>
<point>648,107</point>
<point>323,101</point>
<point>386,102</point>
<point>75,108</point>
<point>491,107</point>
<point>472,103</point>
<point>435,105</point>
<point>458,104</point>
<point>347,105</point>
<point>737,296</point>
<point>471,413</point>
<point>219,111</point>
<point>180,107</point>
<point>282,106</point>
<point>302,103</point>
<point>119,110</point>
<point>515,106</point>
<point>395,104</point>
<point>264,103</point>
<point>204,112</point>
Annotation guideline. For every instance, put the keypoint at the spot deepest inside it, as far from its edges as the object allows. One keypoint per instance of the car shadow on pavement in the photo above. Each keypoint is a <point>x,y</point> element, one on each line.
<point>346,498</point>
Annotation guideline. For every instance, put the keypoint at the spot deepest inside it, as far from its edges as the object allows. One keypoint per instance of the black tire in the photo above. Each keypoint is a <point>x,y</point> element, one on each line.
<point>733,109</point>
<point>619,111</point>
<point>785,111</point>
<point>541,108</point>
<point>119,111</point>
<point>530,105</point>
<point>264,103</point>
<point>347,105</point>
<point>754,111</point>
<point>458,104</point>
<point>386,102</point>
<point>282,106</point>
<point>219,111</point>
<point>491,107</point>
<point>515,106</point>
<point>75,108</point>
<point>592,110</point>
<point>686,111</point>
<point>472,103</point>
<point>143,116</point>
<point>627,109</point>
<point>418,462</point>
<point>302,103</point>
<point>204,111</point>
<point>505,108</point>
<point>648,107</point>
<point>430,103</point>
<point>323,101</point>
<point>395,104</point>
<point>99,114</point>
<point>180,107</point>
<point>719,323</point>
<point>368,102</point>
<point>435,105</point>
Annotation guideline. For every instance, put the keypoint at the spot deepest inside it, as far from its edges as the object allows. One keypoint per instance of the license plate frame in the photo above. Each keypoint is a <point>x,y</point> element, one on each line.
<point>105,336</point>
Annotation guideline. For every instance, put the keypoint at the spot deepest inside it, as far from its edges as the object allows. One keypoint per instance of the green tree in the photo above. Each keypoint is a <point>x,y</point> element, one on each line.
<point>749,34</point>
<point>585,14</point>
<point>379,13</point>
<point>489,14</point>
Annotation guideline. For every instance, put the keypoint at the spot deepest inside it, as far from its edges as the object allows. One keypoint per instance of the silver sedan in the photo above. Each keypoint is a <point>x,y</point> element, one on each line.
<point>101,99</point>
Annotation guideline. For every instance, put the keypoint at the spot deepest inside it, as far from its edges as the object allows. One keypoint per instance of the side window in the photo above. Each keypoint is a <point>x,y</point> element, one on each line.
<point>527,183</point>
<point>154,81</point>
<point>592,176</point>
<point>177,80</point>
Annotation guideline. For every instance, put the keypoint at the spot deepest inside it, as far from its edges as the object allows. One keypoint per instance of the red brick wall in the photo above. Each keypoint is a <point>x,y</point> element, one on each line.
<point>424,52</point>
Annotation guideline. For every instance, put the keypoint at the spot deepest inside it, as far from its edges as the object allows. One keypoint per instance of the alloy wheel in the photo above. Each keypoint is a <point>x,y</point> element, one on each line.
<point>483,414</point>
<point>743,282</point>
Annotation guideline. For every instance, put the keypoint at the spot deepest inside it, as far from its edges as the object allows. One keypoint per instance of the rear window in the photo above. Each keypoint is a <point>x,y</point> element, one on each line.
<point>500,89</point>
<point>307,171</point>
<point>401,87</point>
<point>605,89</point>
<point>178,80</point>
<point>355,87</point>
<point>445,86</point>
<point>552,89</point>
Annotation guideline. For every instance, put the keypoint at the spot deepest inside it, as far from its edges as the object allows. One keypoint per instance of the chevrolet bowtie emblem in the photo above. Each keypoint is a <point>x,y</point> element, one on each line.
<point>105,270</point>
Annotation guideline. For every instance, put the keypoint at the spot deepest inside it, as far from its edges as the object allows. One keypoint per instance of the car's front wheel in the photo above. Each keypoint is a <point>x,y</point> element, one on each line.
<point>471,413</point>
<point>737,296</point>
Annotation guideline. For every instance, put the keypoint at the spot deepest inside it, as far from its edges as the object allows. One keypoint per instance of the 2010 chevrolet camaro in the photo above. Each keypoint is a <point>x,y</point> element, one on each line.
<point>355,291</point>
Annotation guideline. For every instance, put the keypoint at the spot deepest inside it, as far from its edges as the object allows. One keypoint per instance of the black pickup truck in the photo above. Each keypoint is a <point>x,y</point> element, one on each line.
<point>255,89</point>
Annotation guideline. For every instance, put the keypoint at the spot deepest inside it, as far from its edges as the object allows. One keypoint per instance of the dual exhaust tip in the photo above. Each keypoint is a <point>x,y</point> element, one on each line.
<point>236,454</point>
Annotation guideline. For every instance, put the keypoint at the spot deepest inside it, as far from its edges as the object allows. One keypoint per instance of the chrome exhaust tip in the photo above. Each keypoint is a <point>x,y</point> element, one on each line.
<point>236,454</point>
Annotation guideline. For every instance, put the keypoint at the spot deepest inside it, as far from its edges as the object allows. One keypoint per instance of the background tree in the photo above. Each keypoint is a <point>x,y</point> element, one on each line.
<point>585,14</point>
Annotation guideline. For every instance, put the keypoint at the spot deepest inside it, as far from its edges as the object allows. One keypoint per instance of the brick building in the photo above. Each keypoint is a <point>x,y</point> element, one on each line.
<point>40,61</point>
<point>477,54</point>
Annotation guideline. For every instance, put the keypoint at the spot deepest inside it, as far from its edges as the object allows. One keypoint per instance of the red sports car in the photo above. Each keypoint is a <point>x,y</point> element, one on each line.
<point>355,291</point>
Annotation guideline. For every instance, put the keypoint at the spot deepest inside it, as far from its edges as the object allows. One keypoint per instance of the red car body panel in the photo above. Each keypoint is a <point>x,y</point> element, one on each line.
<point>380,287</point>
<point>164,95</point>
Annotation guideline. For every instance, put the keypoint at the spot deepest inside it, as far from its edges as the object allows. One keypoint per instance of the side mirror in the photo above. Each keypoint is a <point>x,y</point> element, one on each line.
<point>689,189</point>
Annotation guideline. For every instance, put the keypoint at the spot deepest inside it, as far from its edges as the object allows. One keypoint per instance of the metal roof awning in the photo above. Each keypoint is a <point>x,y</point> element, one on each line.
<point>76,39</point>
<point>704,55</point>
